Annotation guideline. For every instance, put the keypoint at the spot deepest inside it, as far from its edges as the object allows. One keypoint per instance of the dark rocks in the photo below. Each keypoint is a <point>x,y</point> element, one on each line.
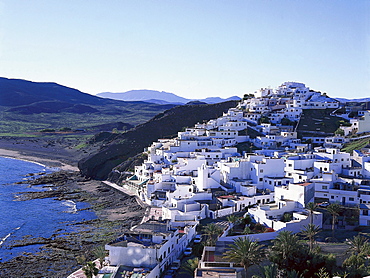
<point>57,257</point>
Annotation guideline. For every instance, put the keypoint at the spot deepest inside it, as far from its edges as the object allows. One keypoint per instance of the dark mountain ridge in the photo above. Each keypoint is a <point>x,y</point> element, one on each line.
<point>17,92</point>
<point>116,148</point>
<point>31,106</point>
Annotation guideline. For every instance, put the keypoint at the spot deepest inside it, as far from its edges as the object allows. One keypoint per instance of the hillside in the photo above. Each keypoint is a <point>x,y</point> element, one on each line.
<point>114,149</point>
<point>159,97</point>
<point>317,122</point>
<point>27,106</point>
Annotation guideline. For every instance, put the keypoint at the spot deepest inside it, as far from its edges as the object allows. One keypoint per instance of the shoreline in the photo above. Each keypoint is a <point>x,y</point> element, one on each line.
<point>46,162</point>
<point>115,213</point>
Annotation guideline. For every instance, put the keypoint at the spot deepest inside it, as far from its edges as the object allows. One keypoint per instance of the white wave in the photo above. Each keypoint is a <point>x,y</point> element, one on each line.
<point>8,235</point>
<point>4,238</point>
<point>72,207</point>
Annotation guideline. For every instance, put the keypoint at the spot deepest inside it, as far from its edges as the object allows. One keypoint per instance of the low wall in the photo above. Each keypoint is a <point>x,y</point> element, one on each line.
<point>258,237</point>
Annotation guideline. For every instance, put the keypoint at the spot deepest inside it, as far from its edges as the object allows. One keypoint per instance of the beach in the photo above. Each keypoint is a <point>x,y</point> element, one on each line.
<point>115,211</point>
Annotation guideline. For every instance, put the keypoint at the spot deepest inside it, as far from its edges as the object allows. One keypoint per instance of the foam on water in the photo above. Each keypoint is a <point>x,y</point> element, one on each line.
<point>36,218</point>
<point>71,206</point>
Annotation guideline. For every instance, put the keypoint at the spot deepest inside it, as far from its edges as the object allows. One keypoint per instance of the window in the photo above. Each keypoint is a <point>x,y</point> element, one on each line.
<point>261,171</point>
<point>261,179</point>
<point>351,199</point>
<point>324,187</point>
<point>332,197</point>
<point>365,212</point>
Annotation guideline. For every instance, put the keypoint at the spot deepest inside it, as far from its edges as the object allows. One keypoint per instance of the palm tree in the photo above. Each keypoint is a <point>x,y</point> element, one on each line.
<point>355,265</point>
<point>310,231</point>
<point>311,207</point>
<point>189,266</point>
<point>322,273</point>
<point>247,230</point>
<point>212,231</point>
<point>334,210</point>
<point>90,269</point>
<point>287,252</point>
<point>358,245</point>
<point>287,217</point>
<point>246,252</point>
<point>100,253</point>
<point>233,219</point>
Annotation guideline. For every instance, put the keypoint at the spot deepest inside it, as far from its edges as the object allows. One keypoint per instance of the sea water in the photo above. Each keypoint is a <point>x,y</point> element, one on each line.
<point>36,218</point>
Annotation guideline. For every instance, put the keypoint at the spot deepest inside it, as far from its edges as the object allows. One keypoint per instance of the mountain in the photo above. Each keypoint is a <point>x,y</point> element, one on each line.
<point>145,95</point>
<point>27,106</point>
<point>344,100</point>
<point>108,150</point>
<point>159,97</point>
<point>218,99</point>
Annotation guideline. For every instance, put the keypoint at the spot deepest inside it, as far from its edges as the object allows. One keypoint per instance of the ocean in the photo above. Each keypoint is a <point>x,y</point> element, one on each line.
<point>36,218</point>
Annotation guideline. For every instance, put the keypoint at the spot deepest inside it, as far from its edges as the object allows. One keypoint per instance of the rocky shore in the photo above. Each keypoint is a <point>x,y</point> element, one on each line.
<point>57,256</point>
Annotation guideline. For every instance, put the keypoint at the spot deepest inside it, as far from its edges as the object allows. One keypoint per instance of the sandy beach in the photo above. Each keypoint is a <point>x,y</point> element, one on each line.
<point>44,161</point>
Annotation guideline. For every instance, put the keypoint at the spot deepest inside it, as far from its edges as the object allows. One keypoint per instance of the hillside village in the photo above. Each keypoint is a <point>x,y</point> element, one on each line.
<point>201,175</point>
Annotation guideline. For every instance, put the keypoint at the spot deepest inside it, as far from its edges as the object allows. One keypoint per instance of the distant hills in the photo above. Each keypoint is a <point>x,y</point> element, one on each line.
<point>27,106</point>
<point>160,97</point>
<point>344,100</point>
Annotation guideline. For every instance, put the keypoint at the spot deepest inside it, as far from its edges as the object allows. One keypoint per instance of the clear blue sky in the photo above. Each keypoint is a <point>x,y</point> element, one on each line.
<point>193,48</point>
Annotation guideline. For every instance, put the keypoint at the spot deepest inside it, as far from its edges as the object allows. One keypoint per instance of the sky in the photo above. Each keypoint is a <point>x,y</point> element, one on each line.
<point>193,48</point>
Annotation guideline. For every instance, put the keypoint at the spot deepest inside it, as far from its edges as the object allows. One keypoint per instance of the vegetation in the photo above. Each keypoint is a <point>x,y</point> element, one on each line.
<point>287,217</point>
<point>268,271</point>
<point>287,252</point>
<point>233,218</point>
<point>246,252</point>
<point>356,145</point>
<point>334,210</point>
<point>100,253</point>
<point>339,131</point>
<point>310,231</point>
<point>248,96</point>
<point>311,207</point>
<point>90,270</point>
<point>189,266</point>
<point>358,245</point>
<point>212,231</point>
